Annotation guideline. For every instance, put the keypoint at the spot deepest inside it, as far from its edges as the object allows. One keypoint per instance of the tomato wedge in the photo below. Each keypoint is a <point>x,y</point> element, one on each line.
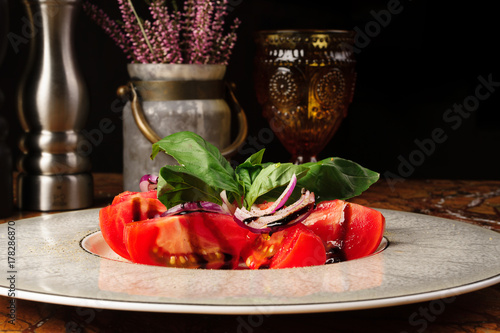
<point>296,246</point>
<point>194,240</point>
<point>261,248</point>
<point>300,248</point>
<point>129,208</point>
<point>349,231</point>
<point>364,231</point>
<point>127,195</point>
<point>335,231</point>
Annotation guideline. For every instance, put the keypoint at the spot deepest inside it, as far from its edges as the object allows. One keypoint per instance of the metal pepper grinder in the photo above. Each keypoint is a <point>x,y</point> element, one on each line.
<point>53,105</point>
<point>6,191</point>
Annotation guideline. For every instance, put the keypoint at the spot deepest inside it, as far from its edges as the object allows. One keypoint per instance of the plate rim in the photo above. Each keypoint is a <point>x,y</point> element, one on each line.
<point>219,309</point>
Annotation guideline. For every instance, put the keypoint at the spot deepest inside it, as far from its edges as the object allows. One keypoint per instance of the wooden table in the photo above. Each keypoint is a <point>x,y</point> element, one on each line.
<point>476,202</point>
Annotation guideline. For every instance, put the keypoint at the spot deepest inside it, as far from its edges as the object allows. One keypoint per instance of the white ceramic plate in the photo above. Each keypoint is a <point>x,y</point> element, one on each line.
<point>427,258</point>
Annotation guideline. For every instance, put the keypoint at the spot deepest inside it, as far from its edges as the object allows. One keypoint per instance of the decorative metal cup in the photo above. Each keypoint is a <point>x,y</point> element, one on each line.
<point>305,83</point>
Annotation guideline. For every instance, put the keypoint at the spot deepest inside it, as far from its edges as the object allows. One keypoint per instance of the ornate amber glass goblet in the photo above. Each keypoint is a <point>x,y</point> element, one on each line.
<point>304,80</point>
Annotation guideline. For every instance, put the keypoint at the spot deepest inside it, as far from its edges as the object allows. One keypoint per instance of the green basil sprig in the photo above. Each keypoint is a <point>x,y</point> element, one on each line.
<point>203,173</point>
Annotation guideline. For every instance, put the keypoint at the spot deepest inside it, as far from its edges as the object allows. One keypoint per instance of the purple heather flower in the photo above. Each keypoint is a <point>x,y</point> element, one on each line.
<point>195,35</point>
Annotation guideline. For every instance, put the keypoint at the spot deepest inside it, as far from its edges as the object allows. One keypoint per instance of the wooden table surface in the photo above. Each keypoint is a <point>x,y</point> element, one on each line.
<point>476,202</point>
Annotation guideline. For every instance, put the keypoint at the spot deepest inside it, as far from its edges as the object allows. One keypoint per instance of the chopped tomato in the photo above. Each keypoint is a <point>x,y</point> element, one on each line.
<point>194,240</point>
<point>364,231</point>
<point>127,195</point>
<point>348,230</point>
<point>326,220</point>
<point>296,246</point>
<point>300,248</point>
<point>335,231</point>
<point>113,218</point>
<point>261,248</point>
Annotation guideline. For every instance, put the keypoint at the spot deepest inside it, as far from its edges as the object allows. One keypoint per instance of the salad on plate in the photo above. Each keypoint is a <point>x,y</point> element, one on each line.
<point>205,213</point>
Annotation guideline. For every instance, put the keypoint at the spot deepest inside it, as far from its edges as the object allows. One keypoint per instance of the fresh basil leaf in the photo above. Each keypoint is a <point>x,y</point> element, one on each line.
<point>337,178</point>
<point>203,173</point>
<point>200,159</point>
<point>255,158</point>
<point>272,177</point>
<point>176,187</point>
<point>246,175</point>
<point>247,171</point>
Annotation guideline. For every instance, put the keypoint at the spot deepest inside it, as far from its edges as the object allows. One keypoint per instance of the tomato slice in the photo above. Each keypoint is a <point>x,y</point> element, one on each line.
<point>300,248</point>
<point>113,218</point>
<point>296,246</point>
<point>261,248</point>
<point>365,230</point>
<point>326,221</point>
<point>194,240</point>
<point>127,195</point>
<point>348,230</point>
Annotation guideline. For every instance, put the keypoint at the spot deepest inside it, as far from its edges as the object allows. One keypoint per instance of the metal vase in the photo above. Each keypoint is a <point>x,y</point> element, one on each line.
<point>168,98</point>
<point>53,105</point>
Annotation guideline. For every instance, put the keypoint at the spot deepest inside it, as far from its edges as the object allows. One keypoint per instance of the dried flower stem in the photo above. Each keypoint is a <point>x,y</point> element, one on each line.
<point>140,26</point>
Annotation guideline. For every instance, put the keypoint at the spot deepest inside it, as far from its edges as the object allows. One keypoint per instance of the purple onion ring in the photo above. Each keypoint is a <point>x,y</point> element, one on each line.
<point>280,219</point>
<point>195,206</point>
<point>148,183</point>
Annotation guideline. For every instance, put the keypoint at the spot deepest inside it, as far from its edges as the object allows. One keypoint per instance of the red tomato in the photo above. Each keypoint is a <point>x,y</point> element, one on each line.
<point>194,240</point>
<point>300,248</point>
<point>326,221</point>
<point>348,230</point>
<point>365,230</point>
<point>113,218</point>
<point>296,246</point>
<point>127,195</point>
<point>261,248</point>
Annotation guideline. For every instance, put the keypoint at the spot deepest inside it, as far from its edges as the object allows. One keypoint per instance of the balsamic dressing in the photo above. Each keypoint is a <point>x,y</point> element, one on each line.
<point>185,212</point>
<point>136,209</point>
<point>336,253</point>
<point>277,223</point>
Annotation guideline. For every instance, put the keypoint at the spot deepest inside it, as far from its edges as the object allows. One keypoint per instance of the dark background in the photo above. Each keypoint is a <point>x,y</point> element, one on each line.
<point>416,67</point>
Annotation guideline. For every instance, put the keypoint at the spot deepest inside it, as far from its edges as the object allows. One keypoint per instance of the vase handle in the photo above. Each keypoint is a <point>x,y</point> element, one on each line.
<point>242,124</point>
<point>150,134</point>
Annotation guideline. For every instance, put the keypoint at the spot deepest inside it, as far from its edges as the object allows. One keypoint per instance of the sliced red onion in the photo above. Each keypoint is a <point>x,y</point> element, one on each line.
<point>148,183</point>
<point>226,205</point>
<point>279,220</point>
<point>280,202</point>
<point>196,206</point>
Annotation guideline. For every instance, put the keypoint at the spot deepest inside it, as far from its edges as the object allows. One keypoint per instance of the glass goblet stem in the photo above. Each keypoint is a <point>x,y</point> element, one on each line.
<point>300,159</point>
